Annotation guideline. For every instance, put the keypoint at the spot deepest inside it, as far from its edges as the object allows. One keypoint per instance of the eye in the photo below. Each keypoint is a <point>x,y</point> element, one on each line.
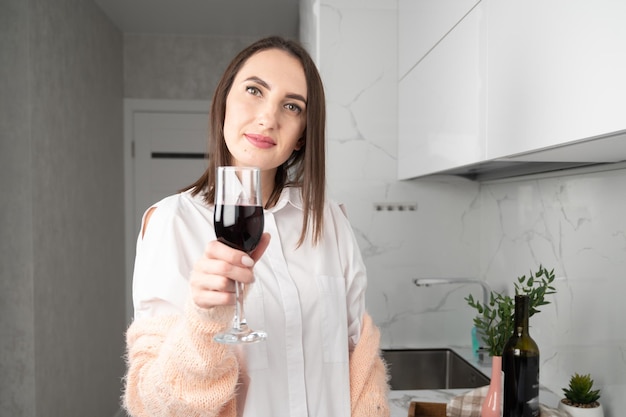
<point>293,107</point>
<point>253,90</point>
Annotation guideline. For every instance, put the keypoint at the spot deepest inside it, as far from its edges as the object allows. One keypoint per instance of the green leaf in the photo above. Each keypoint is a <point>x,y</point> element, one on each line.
<point>496,320</point>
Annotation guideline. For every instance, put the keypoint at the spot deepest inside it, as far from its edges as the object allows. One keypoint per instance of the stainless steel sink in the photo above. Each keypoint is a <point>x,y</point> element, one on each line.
<point>431,369</point>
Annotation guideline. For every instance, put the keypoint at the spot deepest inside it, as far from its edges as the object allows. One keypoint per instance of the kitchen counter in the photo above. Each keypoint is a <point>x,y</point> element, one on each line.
<point>399,400</point>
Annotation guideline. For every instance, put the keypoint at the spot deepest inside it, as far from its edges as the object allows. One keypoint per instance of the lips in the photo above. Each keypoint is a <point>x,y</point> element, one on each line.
<point>260,141</point>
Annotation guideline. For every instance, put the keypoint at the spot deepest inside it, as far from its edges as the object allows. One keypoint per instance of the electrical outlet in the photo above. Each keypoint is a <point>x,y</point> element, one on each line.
<point>395,206</point>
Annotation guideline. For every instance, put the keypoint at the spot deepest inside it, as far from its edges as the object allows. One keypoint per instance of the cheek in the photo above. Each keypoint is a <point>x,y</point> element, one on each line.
<point>231,123</point>
<point>232,113</point>
<point>227,125</point>
<point>300,135</point>
<point>294,128</point>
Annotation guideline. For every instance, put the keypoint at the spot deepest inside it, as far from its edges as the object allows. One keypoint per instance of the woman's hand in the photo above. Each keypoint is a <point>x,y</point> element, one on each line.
<point>212,280</point>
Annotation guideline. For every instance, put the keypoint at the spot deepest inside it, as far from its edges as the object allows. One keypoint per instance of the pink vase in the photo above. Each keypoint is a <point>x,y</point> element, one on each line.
<point>492,406</point>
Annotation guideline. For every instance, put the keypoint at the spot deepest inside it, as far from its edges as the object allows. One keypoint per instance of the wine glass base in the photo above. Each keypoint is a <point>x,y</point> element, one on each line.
<point>240,337</point>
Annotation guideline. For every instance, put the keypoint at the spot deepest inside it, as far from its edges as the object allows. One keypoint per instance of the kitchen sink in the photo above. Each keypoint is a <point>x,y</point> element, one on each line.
<point>411,369</point>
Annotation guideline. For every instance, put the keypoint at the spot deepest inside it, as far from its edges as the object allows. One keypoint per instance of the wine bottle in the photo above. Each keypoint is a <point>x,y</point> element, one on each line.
<point>520,364</point>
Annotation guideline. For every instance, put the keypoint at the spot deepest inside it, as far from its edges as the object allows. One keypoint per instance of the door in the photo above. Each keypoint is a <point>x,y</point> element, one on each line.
<point>170,150</point>
<point>167,145</point>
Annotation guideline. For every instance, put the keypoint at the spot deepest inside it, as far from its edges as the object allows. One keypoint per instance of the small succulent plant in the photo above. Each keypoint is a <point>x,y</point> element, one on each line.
<point>580,392</point>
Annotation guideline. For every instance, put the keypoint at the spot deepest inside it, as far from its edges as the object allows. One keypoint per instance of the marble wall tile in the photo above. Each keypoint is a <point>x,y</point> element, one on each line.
<point>358,64</point>
<point>575,224</point>
<point>493,232</point>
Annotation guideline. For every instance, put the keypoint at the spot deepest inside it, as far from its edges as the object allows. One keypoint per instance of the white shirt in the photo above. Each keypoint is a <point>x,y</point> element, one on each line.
<point>309,300</point>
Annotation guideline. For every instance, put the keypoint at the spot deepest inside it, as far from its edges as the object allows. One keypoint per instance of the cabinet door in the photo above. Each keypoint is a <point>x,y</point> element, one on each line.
<point>556,72</point>
<point>441,104</point>
<point>422,24</point>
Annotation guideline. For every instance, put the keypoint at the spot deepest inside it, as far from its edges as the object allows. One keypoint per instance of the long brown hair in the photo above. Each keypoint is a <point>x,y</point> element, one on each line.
<point>306,167</point>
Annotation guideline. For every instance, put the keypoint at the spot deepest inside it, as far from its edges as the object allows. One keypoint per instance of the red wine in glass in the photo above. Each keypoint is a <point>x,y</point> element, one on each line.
<point>240,227</point>
<point>238,222</point>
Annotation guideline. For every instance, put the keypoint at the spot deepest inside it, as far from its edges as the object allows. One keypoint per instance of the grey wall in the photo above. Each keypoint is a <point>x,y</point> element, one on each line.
<point>61,188</point>
<point>17,368</point>
<point>176,67</point>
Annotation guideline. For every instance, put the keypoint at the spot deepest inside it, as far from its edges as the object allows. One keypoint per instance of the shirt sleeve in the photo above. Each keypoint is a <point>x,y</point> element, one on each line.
<point>355,273</point>
<point>166,252</point>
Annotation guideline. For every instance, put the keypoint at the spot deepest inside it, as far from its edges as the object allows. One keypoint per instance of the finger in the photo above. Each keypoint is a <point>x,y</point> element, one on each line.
<point>211,290</point>
<point>208,299</point>
<point>218,250</point>
<point>200,281</point>
<point>219,275</point>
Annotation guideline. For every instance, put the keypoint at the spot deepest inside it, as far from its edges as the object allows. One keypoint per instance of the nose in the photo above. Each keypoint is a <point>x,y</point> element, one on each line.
<point>268,115</point>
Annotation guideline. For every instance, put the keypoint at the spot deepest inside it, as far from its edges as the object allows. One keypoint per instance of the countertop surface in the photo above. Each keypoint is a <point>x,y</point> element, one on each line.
<point>400,400</point>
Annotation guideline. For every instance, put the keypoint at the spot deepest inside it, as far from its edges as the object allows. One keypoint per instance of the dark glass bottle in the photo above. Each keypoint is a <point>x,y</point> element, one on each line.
<point>520,364</point>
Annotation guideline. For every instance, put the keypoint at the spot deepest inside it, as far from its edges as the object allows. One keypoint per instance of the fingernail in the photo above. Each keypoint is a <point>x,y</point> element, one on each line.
<point>247,261</point>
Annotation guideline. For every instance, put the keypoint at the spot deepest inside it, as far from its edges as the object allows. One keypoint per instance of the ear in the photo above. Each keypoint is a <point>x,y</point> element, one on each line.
<point>299,144</point>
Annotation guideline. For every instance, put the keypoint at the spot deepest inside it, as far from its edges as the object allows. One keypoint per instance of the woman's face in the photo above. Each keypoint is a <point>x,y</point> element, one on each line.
<point>266,110</point>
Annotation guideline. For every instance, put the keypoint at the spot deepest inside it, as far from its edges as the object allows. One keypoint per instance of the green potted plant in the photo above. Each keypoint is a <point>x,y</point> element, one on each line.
<point>581,400</point>
<point>495,320</point>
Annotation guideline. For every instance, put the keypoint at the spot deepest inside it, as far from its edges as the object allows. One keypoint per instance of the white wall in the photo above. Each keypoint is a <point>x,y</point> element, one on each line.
<point>575,224</point>
<point>358,63</point>
<point>497,231</point>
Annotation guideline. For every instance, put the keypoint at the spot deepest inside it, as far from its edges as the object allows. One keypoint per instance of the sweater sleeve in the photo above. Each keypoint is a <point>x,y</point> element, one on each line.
<point>176,369</point>
<point>369,388</point>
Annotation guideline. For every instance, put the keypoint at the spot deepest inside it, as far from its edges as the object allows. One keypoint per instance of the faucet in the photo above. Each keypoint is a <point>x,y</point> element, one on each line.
<point>476,337</point>
<point>427,282</point>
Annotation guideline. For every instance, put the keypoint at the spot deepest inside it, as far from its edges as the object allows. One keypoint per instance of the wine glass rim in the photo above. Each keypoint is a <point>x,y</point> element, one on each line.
<point>237,168</point>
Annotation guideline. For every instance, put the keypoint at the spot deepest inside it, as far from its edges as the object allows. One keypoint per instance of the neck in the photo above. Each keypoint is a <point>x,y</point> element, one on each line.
<point>267,184</point>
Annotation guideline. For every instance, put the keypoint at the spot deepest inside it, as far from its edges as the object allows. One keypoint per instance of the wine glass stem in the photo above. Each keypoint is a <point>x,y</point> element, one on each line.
<point>239,319</point>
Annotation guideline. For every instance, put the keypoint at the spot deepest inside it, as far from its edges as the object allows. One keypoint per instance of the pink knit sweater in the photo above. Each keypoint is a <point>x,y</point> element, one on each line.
<point>175,370</point>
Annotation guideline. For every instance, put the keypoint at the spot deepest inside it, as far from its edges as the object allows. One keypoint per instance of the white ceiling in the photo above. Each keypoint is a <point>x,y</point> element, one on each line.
<point>204,17</point>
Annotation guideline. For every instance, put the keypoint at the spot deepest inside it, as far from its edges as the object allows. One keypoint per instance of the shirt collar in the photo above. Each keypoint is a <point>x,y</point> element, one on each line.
<point>289,195</point>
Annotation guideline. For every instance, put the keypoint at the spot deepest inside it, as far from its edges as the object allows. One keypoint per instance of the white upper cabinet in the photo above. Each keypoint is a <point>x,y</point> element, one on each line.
<point>512,80</point>
<point>556,73</point>
<point>441,102</point>
<point>422,24</point>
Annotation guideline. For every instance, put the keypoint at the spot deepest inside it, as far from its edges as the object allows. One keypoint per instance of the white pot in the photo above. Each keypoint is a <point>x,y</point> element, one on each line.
<point>581,412</point>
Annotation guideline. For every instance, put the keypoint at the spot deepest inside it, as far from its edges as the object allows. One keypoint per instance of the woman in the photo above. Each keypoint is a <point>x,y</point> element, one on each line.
<point>321,357</point>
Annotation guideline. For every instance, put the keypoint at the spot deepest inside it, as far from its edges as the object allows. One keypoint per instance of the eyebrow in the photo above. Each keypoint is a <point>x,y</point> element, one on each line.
<point>266,85</point>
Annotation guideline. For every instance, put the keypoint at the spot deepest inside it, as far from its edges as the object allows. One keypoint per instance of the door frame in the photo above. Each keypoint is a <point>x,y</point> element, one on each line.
<point>132,106</point>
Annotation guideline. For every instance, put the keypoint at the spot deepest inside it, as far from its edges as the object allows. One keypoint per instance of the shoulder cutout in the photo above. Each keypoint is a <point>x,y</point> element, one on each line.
<point>343,210</point>
<point>146,219</point>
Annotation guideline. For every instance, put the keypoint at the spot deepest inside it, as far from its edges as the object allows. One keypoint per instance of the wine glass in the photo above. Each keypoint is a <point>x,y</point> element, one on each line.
<point>238,222</point>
